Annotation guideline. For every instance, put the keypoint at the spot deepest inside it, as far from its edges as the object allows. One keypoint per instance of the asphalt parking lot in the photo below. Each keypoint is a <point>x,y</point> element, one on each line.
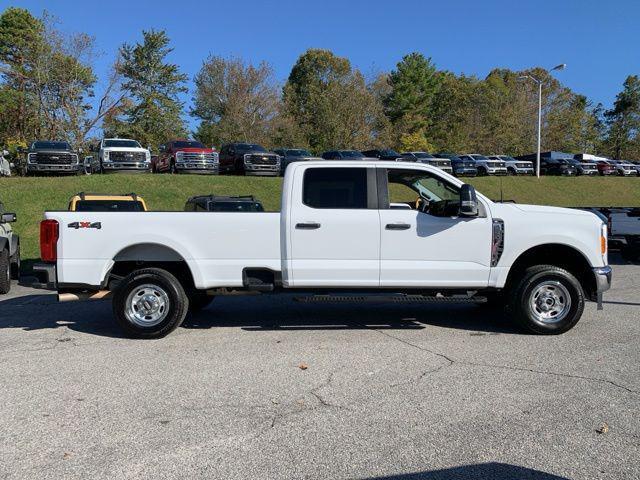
<point>267,387</point>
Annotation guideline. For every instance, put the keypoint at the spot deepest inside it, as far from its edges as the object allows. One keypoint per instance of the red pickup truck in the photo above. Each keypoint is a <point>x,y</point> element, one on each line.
<point>185,156</point>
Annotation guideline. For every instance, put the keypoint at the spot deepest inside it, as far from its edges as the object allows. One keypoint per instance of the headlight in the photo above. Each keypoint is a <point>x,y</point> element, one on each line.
<point>246,158</point>
<point>179,155</point>
<point>77,158</point>
<point>30,157</point>
<point>105,156</point>
<point>215,157</point>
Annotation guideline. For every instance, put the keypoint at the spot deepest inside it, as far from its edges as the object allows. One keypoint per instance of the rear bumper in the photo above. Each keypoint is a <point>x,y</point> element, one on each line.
<point>46,274</point>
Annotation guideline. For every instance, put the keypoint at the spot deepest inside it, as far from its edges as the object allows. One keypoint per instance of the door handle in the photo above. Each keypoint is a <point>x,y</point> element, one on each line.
<point>398,226</point>
<point>307,226</point>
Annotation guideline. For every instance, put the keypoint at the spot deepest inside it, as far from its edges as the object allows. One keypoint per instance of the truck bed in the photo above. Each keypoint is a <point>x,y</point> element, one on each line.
<point>217,246</point>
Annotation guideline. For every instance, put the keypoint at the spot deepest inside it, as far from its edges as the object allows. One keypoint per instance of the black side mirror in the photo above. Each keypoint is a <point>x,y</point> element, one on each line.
<point>8,218</point>
<point>468,201</point>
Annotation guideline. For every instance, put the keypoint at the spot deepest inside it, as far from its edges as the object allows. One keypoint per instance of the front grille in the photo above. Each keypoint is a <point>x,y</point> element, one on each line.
<point>523,165</point>
<point>444,163</point>
<point>197,157</point>
<point>127,156</point>
<point>263,159</point>
<point>54,158</point>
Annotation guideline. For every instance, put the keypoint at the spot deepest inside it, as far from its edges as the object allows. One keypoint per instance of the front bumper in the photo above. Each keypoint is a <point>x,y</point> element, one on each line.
<point>253,169</point>
<point>496,171</point>
<point>465,171</point>
<point>524,171</point>
<point>197,167</point>
<point>126,166</point>
<point>603,282</point>
<point>39,167</point>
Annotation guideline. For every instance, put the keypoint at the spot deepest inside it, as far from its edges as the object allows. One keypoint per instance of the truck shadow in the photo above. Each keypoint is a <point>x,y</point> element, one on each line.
<point>481,471</point>
<point>260,313</point>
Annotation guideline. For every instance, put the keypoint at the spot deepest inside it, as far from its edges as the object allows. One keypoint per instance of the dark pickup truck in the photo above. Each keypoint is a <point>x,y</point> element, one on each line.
<point>44,156</point>
<point>248,159</point>
<point>219,203</point>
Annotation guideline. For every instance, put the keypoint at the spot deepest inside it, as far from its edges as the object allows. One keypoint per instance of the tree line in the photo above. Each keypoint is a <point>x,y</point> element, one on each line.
<point>49,90</point>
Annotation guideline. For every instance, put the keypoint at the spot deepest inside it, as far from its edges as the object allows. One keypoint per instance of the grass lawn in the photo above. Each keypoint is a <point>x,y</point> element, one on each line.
<point>30,197</point>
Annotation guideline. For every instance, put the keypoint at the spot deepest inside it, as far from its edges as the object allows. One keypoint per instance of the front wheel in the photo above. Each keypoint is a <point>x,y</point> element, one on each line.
<point>547,300</point>
<point>150,303</point>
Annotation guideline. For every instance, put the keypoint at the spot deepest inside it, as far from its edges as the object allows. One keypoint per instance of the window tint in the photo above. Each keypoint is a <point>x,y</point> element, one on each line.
<point>109,206</point>
<point>344,188</point>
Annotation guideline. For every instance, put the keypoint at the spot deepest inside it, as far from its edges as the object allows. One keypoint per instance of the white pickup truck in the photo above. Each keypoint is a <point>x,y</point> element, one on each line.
<point>402,231</point>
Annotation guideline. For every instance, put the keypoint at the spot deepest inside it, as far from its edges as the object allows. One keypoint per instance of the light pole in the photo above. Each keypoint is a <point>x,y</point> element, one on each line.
<point>539,83</point>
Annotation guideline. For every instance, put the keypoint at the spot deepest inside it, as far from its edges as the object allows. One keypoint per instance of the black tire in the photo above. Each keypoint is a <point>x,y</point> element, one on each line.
<point>557,286</point>
<point>511,172</point>
<point>5,271</point>
<point>199,301</point>
<point>482,172</point>
<point>172,168</point>
<point>15,264</point>
<point>159,282</point>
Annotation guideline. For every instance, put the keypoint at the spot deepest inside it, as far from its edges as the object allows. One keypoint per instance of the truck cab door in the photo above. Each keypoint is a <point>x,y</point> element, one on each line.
<point>429,244</point>
<point>332,228</point>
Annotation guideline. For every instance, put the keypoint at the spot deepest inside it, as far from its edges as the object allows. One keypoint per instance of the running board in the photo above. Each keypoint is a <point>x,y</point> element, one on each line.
<point>398,298</point>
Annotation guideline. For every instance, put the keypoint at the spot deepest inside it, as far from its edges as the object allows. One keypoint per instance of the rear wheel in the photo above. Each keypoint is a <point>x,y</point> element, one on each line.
<point>150,303</point>
<point>547,300</point>
<point>5,272</point>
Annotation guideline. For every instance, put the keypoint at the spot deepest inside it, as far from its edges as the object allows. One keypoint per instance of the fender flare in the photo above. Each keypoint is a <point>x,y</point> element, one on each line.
<point>3,244</point>
<point>15,242</point>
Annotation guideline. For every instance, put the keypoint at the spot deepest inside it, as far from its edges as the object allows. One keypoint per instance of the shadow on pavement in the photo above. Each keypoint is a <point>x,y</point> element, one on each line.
<point>482,471</point>
<point>259,313</point>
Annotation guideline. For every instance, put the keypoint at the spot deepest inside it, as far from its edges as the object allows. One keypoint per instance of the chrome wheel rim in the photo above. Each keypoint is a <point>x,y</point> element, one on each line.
<point>550,302</point>
<point>147,305</point>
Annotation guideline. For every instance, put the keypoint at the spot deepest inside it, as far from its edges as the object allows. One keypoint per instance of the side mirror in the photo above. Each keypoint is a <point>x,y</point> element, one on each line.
<point>8,218</point>
<point>468,201</point>
<point>80,150</point>
<point>5,153</point>
<point>12,165</point>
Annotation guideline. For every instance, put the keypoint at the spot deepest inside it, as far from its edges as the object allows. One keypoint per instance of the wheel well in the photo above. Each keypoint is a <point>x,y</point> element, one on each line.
<point>557,255</point>
<point>150,255</point>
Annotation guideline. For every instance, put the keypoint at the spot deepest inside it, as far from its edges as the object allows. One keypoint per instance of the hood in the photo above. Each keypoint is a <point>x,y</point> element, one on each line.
<point>543,209</point>
<point>48,150</point>
<point>303,158</point>
<point>125,149</point>
<point>194,150</point>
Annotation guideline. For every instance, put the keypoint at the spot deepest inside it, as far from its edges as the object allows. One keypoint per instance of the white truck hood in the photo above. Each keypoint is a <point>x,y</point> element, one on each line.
<point>125,149</point>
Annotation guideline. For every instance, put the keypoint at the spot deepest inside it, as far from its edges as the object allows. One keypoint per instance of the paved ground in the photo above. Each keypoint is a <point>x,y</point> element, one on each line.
<point>389,392</point>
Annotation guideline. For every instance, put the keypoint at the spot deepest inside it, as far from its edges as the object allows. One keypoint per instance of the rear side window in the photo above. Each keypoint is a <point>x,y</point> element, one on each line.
<point>336,188</point>
<point>109,206</point>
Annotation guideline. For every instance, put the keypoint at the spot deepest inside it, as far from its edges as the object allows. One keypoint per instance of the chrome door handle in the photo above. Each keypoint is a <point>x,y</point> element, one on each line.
<point>307,226</point>
<point>398,226</point>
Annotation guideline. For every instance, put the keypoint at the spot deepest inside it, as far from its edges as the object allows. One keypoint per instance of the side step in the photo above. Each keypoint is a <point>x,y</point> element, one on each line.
<point>396,298</point>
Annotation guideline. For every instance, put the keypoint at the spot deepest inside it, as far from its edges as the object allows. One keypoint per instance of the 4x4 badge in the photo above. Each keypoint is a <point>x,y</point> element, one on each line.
<point>78,225</point>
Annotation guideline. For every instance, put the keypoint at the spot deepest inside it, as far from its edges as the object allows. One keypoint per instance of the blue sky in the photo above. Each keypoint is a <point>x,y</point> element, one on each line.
<point>599,40</point>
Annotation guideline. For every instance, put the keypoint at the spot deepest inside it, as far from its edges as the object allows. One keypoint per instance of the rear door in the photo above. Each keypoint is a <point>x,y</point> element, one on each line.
<point>333,228</point>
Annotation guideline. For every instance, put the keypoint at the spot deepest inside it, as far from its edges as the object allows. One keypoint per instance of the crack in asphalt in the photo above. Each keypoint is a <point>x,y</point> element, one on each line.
<point>451,361</point>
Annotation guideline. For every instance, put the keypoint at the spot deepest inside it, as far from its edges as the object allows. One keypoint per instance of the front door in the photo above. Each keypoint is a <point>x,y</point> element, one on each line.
<point>424,243</point>
<point>334,229</point>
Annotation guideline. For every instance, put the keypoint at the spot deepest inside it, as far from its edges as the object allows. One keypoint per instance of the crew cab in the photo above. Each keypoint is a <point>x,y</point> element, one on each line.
<point>185,156</point>
<point>404,231</point>
<point>120,155</point>
<point>44,156</point>
<point>248,159</point>
<point>9,251</point>
<point>485,165</point>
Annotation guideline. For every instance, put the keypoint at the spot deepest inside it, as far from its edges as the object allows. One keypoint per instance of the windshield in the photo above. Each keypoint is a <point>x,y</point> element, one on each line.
<point>188,144</point>
<point>50,145</point>
<point>506,158</point>
<point>389,153</point>
<point>423,155</point>
<point>351,154</point>
<point>122,143</point>
<point>243,147</point>
<point>479,157</point>
<point>297,153</point>
<point>109,206</point>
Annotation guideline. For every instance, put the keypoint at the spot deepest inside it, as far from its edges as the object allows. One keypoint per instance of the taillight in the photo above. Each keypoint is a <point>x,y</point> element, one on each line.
<point>49,240</point>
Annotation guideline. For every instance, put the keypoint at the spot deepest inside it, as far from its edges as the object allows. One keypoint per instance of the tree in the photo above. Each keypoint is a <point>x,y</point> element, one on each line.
<point>413,84</point>
<point>330,102</point>
<point>152,110</point>
<point>235,101</point>
<point>623,120</point>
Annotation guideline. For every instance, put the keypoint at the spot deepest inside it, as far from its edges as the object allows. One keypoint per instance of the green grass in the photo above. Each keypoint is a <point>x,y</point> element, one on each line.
<point>30,197</point>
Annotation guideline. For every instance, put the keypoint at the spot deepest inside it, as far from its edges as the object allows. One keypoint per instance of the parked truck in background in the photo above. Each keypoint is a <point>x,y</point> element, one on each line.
<point>429,159</point>
<point>408,232</point>
<point>9,251</point>
<point>485,165</point>
<point>248,159</point>
<point>5,165</point>
<point>45,156</point>
<point>290,155</point>
<point>514,166</point>
<point>120,155</point>
<point>186,156</point>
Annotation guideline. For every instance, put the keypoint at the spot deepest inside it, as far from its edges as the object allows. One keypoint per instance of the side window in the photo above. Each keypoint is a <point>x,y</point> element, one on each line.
<point>423,191</point>
<point>336,188</point>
